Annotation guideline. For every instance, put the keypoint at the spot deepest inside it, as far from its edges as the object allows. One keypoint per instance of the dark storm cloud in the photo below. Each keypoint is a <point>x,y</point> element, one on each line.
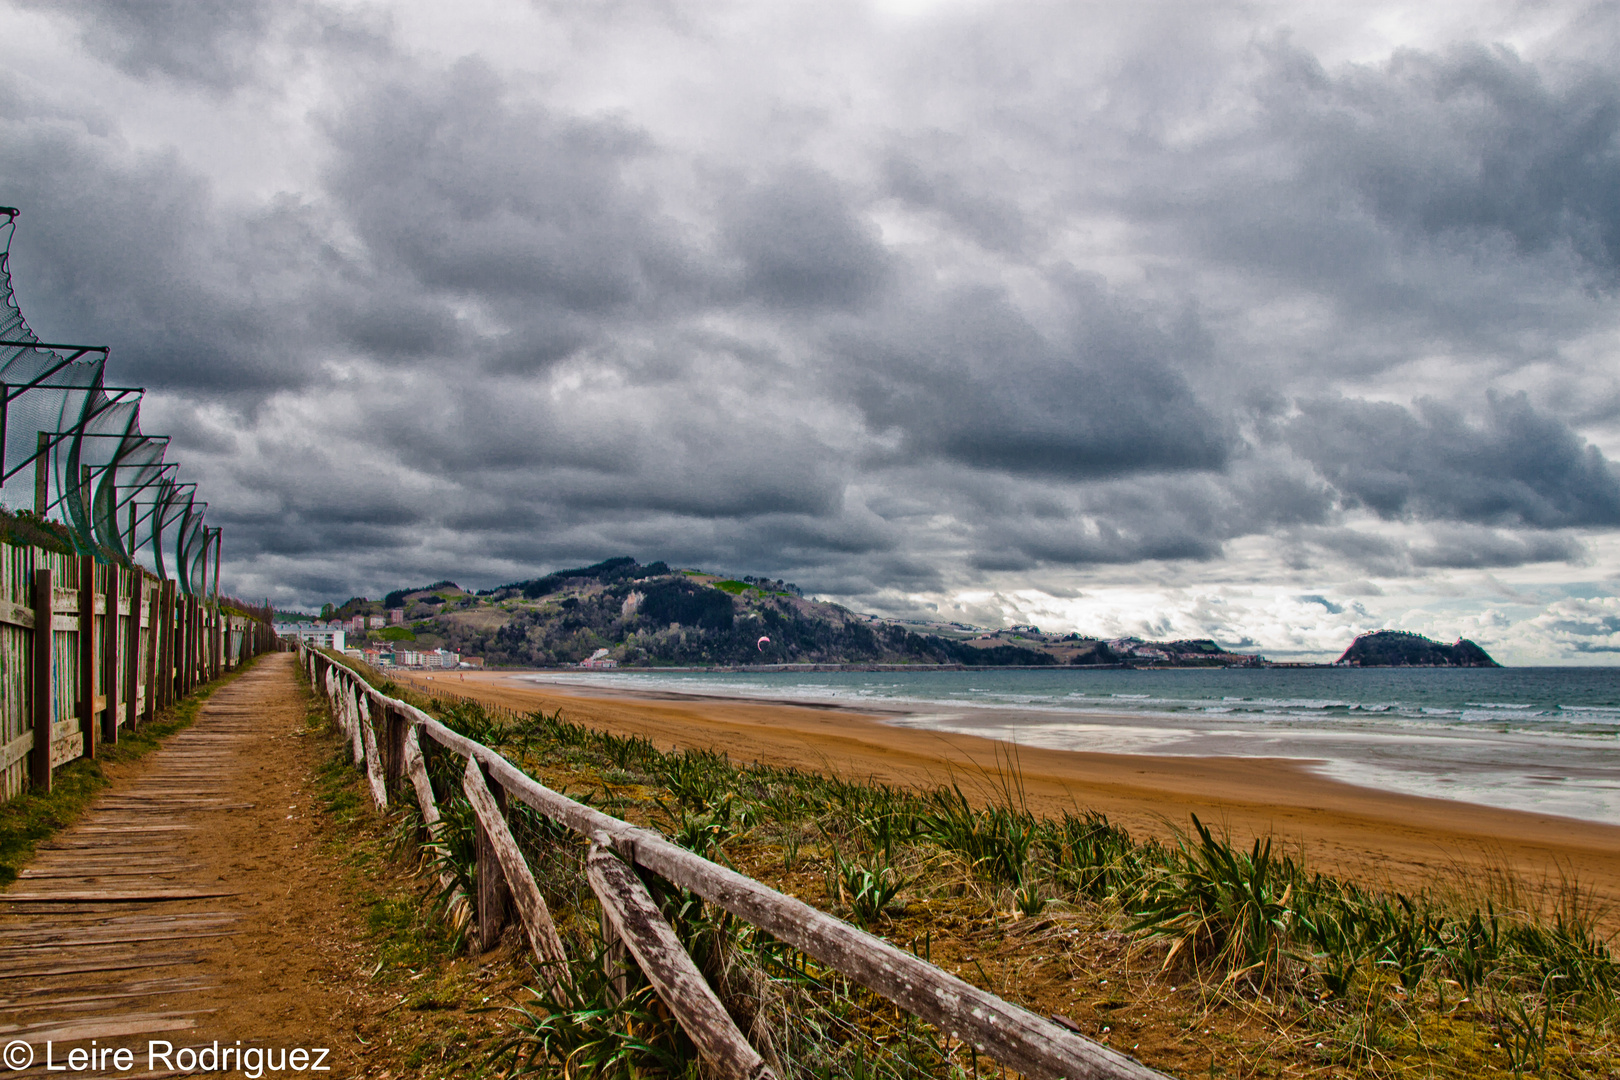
<point>1176,516</point>
<point>803,246</point>
<point>129,249</point>
<point>469,193</point>
<point>211,44</point>
<point>1474,143</point>
<point>1304,548</point>
<point>1517,466</point>
<point>1464,198</point>
<point>965,376</point>
<point>1456,547</point>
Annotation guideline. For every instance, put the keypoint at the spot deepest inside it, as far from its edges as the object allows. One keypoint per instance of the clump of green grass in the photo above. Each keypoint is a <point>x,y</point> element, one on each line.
<point>1227,912</point>
<point>869,887</point>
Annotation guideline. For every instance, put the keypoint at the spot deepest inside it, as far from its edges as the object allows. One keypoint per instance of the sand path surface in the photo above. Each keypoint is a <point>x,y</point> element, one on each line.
<point>1375,837</point>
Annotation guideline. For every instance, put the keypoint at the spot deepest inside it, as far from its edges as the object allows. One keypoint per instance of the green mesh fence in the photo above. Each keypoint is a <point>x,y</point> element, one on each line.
<point>72,451</point>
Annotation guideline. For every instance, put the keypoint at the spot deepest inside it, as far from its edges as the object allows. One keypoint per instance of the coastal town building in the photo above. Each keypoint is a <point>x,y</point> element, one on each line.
<point>410,658</point>
<point>316,635</point>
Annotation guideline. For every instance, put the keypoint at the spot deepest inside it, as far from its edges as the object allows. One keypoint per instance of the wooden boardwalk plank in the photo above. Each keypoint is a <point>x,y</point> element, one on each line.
<point>107,933</point>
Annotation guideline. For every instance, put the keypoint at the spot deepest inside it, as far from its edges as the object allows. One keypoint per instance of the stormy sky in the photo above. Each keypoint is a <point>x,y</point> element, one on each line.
<point>1264,322</point>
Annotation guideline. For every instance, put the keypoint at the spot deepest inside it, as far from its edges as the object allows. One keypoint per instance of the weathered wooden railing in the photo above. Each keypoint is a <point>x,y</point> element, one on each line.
<point>999,1029</point>
<point>120,645</point>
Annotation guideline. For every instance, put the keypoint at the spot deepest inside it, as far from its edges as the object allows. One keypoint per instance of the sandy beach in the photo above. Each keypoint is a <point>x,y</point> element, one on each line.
<point>1379,838</point>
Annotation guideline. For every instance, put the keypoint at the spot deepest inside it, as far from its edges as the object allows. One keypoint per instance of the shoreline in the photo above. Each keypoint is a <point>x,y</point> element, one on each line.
<point>1379,838</point>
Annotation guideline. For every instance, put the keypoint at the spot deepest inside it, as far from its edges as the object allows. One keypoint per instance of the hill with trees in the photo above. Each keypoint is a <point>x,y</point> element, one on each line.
<point>1399,648</point>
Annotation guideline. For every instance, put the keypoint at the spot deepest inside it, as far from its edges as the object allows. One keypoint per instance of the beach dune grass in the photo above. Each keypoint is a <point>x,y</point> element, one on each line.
<point>1210,956</point>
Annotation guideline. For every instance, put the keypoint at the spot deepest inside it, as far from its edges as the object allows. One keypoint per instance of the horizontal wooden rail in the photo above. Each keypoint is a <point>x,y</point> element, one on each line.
<point>1008,1033</point>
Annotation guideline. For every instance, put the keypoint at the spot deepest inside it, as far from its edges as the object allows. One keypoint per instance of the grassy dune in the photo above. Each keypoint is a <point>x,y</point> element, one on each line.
<point>1203,955</point>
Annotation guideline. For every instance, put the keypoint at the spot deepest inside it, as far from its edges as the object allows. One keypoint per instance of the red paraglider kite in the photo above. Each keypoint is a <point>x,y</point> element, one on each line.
<point>764,641</point>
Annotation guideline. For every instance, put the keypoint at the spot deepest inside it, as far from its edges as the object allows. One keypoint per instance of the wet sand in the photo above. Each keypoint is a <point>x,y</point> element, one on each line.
<point>1376,837</point>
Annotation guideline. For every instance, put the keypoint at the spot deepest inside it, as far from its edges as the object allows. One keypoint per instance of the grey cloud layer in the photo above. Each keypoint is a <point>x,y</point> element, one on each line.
<point>1093,319</point>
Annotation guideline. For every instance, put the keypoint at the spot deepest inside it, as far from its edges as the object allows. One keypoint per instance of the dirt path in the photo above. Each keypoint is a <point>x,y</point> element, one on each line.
<point>191,904</point>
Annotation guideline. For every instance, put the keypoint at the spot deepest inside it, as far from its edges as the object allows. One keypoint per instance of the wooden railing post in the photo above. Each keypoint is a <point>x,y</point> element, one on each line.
<point>160,635</point>
<point>152,594</point>
<point>493,900</point>
<point>521,887</point>
<point>182,674</point>
<point>166,649</point>
<point>179,645</point>
<point>87,654</point>
<point>39,765</point>
<point>110,641</point>
<point>394,727</point>
<point>132,647</point>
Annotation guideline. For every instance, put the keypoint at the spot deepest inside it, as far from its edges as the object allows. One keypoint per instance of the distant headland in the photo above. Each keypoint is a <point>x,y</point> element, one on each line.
<point>623,614</point>
<point>1398,648</point>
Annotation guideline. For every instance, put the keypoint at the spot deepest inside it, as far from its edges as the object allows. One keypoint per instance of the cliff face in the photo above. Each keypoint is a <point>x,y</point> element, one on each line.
<point>1397,648</point>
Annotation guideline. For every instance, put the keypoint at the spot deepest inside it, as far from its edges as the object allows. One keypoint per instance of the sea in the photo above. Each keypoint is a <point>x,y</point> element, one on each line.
<point>1545,740</point>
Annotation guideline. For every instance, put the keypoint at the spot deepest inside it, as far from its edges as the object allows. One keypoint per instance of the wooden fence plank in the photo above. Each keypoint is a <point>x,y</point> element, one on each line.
<point>543,939</point>
<point>15,750</point>
<point>110,642</point>
<point>491,896</point>
<point>44,694</point>
<point>132,648</point>
<point>14,614</point>
<point>460,909</point>
<point>85,641</point>
<point>374,772</point>
<point>154,614</point>
<point>669,968</point>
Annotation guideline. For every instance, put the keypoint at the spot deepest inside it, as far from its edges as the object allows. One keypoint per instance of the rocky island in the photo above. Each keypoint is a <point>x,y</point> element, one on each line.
<point>1399,648</point>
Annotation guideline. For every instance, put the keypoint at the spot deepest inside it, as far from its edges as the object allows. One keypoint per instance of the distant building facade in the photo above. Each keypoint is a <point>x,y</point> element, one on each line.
<point>320,637</point>
<point>437,659</point>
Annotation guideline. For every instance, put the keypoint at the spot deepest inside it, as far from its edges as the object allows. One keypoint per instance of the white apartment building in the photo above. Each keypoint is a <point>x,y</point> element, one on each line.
<point>321,637</point>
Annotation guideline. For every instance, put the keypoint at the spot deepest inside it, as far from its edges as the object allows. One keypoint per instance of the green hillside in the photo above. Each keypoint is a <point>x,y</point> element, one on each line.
<point>654,616</point>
